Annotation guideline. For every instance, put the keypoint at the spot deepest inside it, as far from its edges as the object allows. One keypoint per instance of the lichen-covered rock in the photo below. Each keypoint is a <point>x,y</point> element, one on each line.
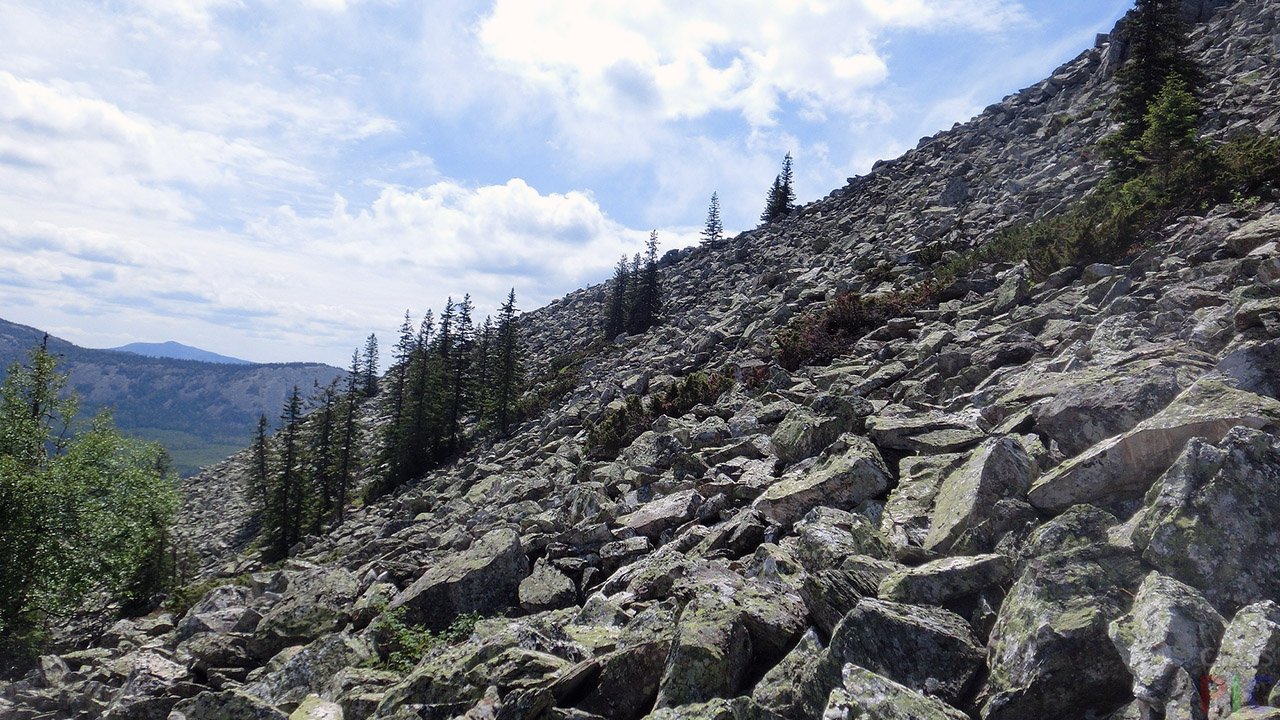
<point>1211,523</point>
<point>1124,467</point>
<point>316,708</point>
<point>963,516</point>
<point>928,649</point>
<point>1049,654</point>
<point>826,537</point>
<point>317,602</point>
<point>710,654</point>
<point>801,434</point>
<point>146,693</point>
<point>852,473</point>
<point>485,579</point>
<point>1248,662</point>
<point>830,594</point>
<point>1170,627</point>
<point>905,520</point>
<point>781,690</point>
<point>1078,526</point>
<point>864,694</point>
<point>941,581</point>
<point>310,669</point>
<point>225,705</point>
<point>664,513</point>
<point>546,588</point>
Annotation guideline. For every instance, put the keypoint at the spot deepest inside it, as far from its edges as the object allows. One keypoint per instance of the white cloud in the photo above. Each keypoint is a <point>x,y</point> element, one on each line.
<point>675,60</point>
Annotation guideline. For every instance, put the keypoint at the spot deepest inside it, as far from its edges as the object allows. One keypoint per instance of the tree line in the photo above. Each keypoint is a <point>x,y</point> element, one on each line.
<point>451,380</point>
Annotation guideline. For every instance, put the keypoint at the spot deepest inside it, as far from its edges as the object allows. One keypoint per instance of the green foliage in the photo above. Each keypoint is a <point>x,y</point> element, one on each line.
<point>402,645</point>
<point>781,199</point>
<point>713,228</point>
<point>185,595</point>
<point>80,515</point>
<point>622,425</point>
<point>817,338</point>
<point>635,296</point>
<point>1157,52</point>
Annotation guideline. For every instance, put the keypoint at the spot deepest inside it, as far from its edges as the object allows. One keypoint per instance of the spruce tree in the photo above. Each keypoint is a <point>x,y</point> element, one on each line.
<point>371,366</point>
<point>346,448</point>
<point>289,499</point>
<point>1157,42</point>
<point>616,309</point>
<point>647,298</point>
<point>713,230</point>
<point>782,195</point>
<point>508,368</point>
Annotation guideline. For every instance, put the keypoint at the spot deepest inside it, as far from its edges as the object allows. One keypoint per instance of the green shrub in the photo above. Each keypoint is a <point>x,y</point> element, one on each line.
<point>402,645</point>
<point>621,426</point>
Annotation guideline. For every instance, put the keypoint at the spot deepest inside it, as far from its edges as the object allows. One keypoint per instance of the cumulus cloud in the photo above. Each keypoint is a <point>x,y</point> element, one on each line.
<point>682,60</point>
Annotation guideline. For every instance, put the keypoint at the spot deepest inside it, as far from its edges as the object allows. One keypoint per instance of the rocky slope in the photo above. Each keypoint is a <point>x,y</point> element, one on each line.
<point>1046,500</point>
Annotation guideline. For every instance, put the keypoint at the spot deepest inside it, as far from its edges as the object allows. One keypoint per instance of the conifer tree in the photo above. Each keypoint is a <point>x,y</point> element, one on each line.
<point>261,483</point>
<point>713,229</point>
<point>1170,143</point>
<point>371,366</point>
<point>508,368</point>
<point>647,296</point>
<point>1157,39</point>
<point>346,448</point>
<point>283,516</point>
<point>616,310</point>
<point>782,195</point>
<point>321,458</point>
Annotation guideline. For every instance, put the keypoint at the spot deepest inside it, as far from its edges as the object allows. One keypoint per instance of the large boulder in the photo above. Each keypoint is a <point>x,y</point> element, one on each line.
<point>1125,466</point>
<point>852,473</point>
<point>864,694</point>
<point>930,650</point>
<point>317,602</point>
<point>802,434</point>
<point>225,705</point>
<point>485,578</point>
<point>710,655</point>
<point>1248,662</point>
<point>941,581</point>
<point>1213,521</point>
<point>964,511</point>
<point>1170,628</point>
<point>1049,654</point>
<point>905,520</point>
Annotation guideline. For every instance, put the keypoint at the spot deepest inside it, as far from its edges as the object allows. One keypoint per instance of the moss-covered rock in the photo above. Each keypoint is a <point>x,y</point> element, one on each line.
<point>485,578</point>
<point>225,705</point>
<point>851,473</point>
<point>1213,523</point>
<point>864,694</point>
<point>941,581</point>
<point>317,602</point>
<point>964,511</point>
<point>1248,662</point>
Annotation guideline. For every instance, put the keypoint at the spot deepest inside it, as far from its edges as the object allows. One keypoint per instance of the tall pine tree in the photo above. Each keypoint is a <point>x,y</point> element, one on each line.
<point>615,322</point>
<point>370,374</point>
<point>713,229</point>
<point>782,195</point>
<point>508,368</point>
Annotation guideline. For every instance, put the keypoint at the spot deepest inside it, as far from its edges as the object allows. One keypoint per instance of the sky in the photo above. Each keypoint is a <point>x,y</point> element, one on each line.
<point>276,180</point>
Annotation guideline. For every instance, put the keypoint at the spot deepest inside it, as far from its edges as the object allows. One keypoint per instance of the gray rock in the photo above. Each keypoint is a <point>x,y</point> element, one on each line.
<point>485,579</point>
<point>962,517</point>
<point>1125,466</point>
<point>1208,525</point>
<point>930,650</point>
<point>842,480</point>
<point>905,520</point>
<point>1170,628</point>
<point>864,694</point>
<point>317,602</point>
<point>802,434</point>
<point>1049,654</point>
<point>546,588</point>
<point>944,580</point>
<point>1248,663</point>
<point>710,655</point>
<point>225,705</point>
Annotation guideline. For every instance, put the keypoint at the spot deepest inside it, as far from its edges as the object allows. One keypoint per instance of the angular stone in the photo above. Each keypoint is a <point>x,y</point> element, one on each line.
<point>864,694</point>
<point>826,537</point>
<point>1098,407</point>
<point>1124,467</point>
<point>546,588</point>
<point>1212,523</point>
<point>830,594</point>
<point>1049,653</point>
<point>710,655</point>
<point>941,581</point>
<point>1171,627</point>
<point>802,434</point>
<point>664,513</point>
<point>317,602</point>
<point>930,650</point>
<point>925,433</point>
<point>905,520</point>
<point>144,694</point>
<point>1000,468</point>
<point>310,669</point>
<point>485,578</point>
<point>1248,664</point>
<point>225,705</point>
<point>843,480</point>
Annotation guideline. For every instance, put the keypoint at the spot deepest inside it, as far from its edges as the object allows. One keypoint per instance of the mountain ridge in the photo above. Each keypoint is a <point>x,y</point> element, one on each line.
<point>178,351</point>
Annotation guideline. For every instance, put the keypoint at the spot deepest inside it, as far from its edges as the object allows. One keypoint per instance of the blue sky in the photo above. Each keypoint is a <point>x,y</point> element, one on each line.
<point>275,180</point>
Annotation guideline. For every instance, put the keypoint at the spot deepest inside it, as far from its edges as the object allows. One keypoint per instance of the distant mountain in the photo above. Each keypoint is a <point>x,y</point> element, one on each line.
<point>200,411</point>
<point>178,351</point>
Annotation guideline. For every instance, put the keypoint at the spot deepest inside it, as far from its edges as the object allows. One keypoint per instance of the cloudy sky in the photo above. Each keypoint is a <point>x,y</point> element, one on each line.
<point>275,180</point>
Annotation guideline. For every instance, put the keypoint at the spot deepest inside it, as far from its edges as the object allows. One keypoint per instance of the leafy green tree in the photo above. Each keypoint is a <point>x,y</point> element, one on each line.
<point>782,195</point>
<point>1157,48</point>
<point>80,516</point>
<point>713,229</point>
